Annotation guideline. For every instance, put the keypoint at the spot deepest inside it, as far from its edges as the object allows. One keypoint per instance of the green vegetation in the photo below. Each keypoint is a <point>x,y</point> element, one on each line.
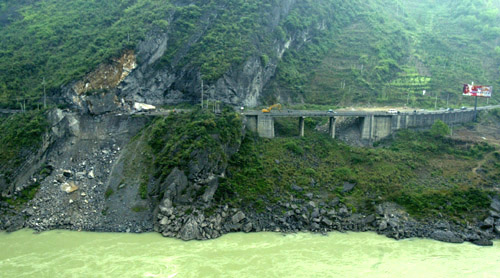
<point>175,139</point>
<point>388,52</point>
<point>439,128</point>
<point>20,135</point>
<point>143,190</point>
<point>342,52</point>
<point>24,196</point>
<point>62,41</point>
<point>425,174</point>
<point>139,208</point>
<point>108,192</point>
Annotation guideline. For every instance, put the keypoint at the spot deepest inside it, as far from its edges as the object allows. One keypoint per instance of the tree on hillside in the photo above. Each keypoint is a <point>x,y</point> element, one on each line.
<point>439,128</point>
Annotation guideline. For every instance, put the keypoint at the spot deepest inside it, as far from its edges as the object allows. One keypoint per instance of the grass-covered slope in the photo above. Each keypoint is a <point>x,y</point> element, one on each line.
<point>426,174</point>
<point>60,41</point>
<point>390,51</point>
<point>20,137</point>
<point>341,52</point>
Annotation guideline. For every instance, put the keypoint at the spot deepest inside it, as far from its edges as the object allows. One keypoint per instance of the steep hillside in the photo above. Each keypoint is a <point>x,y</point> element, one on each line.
<point>246,52</point>
<point>390,51</point>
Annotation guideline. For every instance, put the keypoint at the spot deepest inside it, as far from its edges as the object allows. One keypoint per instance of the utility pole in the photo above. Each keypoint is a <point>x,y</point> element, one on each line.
<point>447,97</point>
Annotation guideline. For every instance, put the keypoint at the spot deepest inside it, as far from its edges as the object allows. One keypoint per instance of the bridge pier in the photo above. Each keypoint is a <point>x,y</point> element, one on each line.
<point>265,126</point>
<point>301,126</point>
<point>251,123</point>
<point>367,128</point>
<point>331,127</point>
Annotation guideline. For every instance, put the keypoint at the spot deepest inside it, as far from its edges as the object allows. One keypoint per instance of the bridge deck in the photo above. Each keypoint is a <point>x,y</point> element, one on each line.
<point>316,113</point>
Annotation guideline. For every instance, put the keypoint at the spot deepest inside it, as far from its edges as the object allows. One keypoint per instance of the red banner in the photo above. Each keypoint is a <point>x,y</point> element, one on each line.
<point>477,90</point>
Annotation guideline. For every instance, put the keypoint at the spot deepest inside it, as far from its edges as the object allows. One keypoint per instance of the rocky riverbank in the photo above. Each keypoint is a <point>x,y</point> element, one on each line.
<point>189,223</point>
<point>92,179</point>
<point>309,216</point>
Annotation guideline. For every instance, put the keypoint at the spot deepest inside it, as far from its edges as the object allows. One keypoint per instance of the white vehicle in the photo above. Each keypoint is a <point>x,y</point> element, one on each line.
<point>392,111</point>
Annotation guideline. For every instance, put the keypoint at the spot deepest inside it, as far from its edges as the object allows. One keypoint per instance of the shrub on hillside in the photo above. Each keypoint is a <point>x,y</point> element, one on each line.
<point>439,129</point>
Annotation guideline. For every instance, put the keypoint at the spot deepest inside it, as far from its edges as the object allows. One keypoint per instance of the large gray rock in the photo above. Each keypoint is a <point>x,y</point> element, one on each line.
<point>190,230</point>
<point>101,103</point>
<point>175,184</point>
<point>483,242</point>
<point>446,236</point>
<point>334,202</point>
<point>238,217</point>
<point>211,187</point>
<point>495,204</point>
<point>348,187</point>
<point>369,219</point>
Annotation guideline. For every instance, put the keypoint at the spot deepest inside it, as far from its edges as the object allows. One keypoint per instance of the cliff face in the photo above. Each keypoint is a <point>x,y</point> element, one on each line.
<point>244,52</point>
<point>153,81</point>
<point>70,173</point>
<point>96,92</point>
<point>242,84</point>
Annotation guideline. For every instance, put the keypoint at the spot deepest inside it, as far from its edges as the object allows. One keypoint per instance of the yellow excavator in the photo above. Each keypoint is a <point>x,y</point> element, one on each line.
<point>268,109</point>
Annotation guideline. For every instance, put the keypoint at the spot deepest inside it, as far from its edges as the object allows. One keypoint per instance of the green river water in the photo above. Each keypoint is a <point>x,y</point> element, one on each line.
<point>84,254</point>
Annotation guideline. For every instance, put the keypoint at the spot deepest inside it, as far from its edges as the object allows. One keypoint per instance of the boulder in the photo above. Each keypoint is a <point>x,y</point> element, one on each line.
<point>369,219</point>
<point>247,227</point>
<point>442,225</point>
<point>383,225</point>
<point>164,221</point>
<point>190,230</point>
<point>334,202</point>
<point>327,222</point>
<point>483,242</point>
<point>67,173</point>
<point>487,223</point>
<point>495,204</point>
<point>348,187</point>
<point>315,213</point>
<point>446,236</point>
<point>210,190</point>
<point>175,184</point>
<point>238,217</point>
<point>69,187</point>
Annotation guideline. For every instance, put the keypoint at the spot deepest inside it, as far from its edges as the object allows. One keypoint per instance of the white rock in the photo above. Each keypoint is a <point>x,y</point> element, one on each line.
<point>69,187</point>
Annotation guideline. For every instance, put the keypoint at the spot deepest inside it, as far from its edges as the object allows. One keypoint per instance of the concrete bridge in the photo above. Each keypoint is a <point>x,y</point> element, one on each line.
<point>373,126</point>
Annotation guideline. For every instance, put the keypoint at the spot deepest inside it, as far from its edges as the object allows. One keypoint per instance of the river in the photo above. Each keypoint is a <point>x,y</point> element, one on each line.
<point>86,254</point>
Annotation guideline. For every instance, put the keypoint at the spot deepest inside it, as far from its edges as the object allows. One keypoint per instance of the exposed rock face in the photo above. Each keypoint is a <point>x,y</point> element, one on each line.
<point>153,83</point>
<point>186,194</point>
<point>82,152</point>
<point>241,85</point>
<point>446,236</point>
<point>96,92</point>
<point>107,76</point>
